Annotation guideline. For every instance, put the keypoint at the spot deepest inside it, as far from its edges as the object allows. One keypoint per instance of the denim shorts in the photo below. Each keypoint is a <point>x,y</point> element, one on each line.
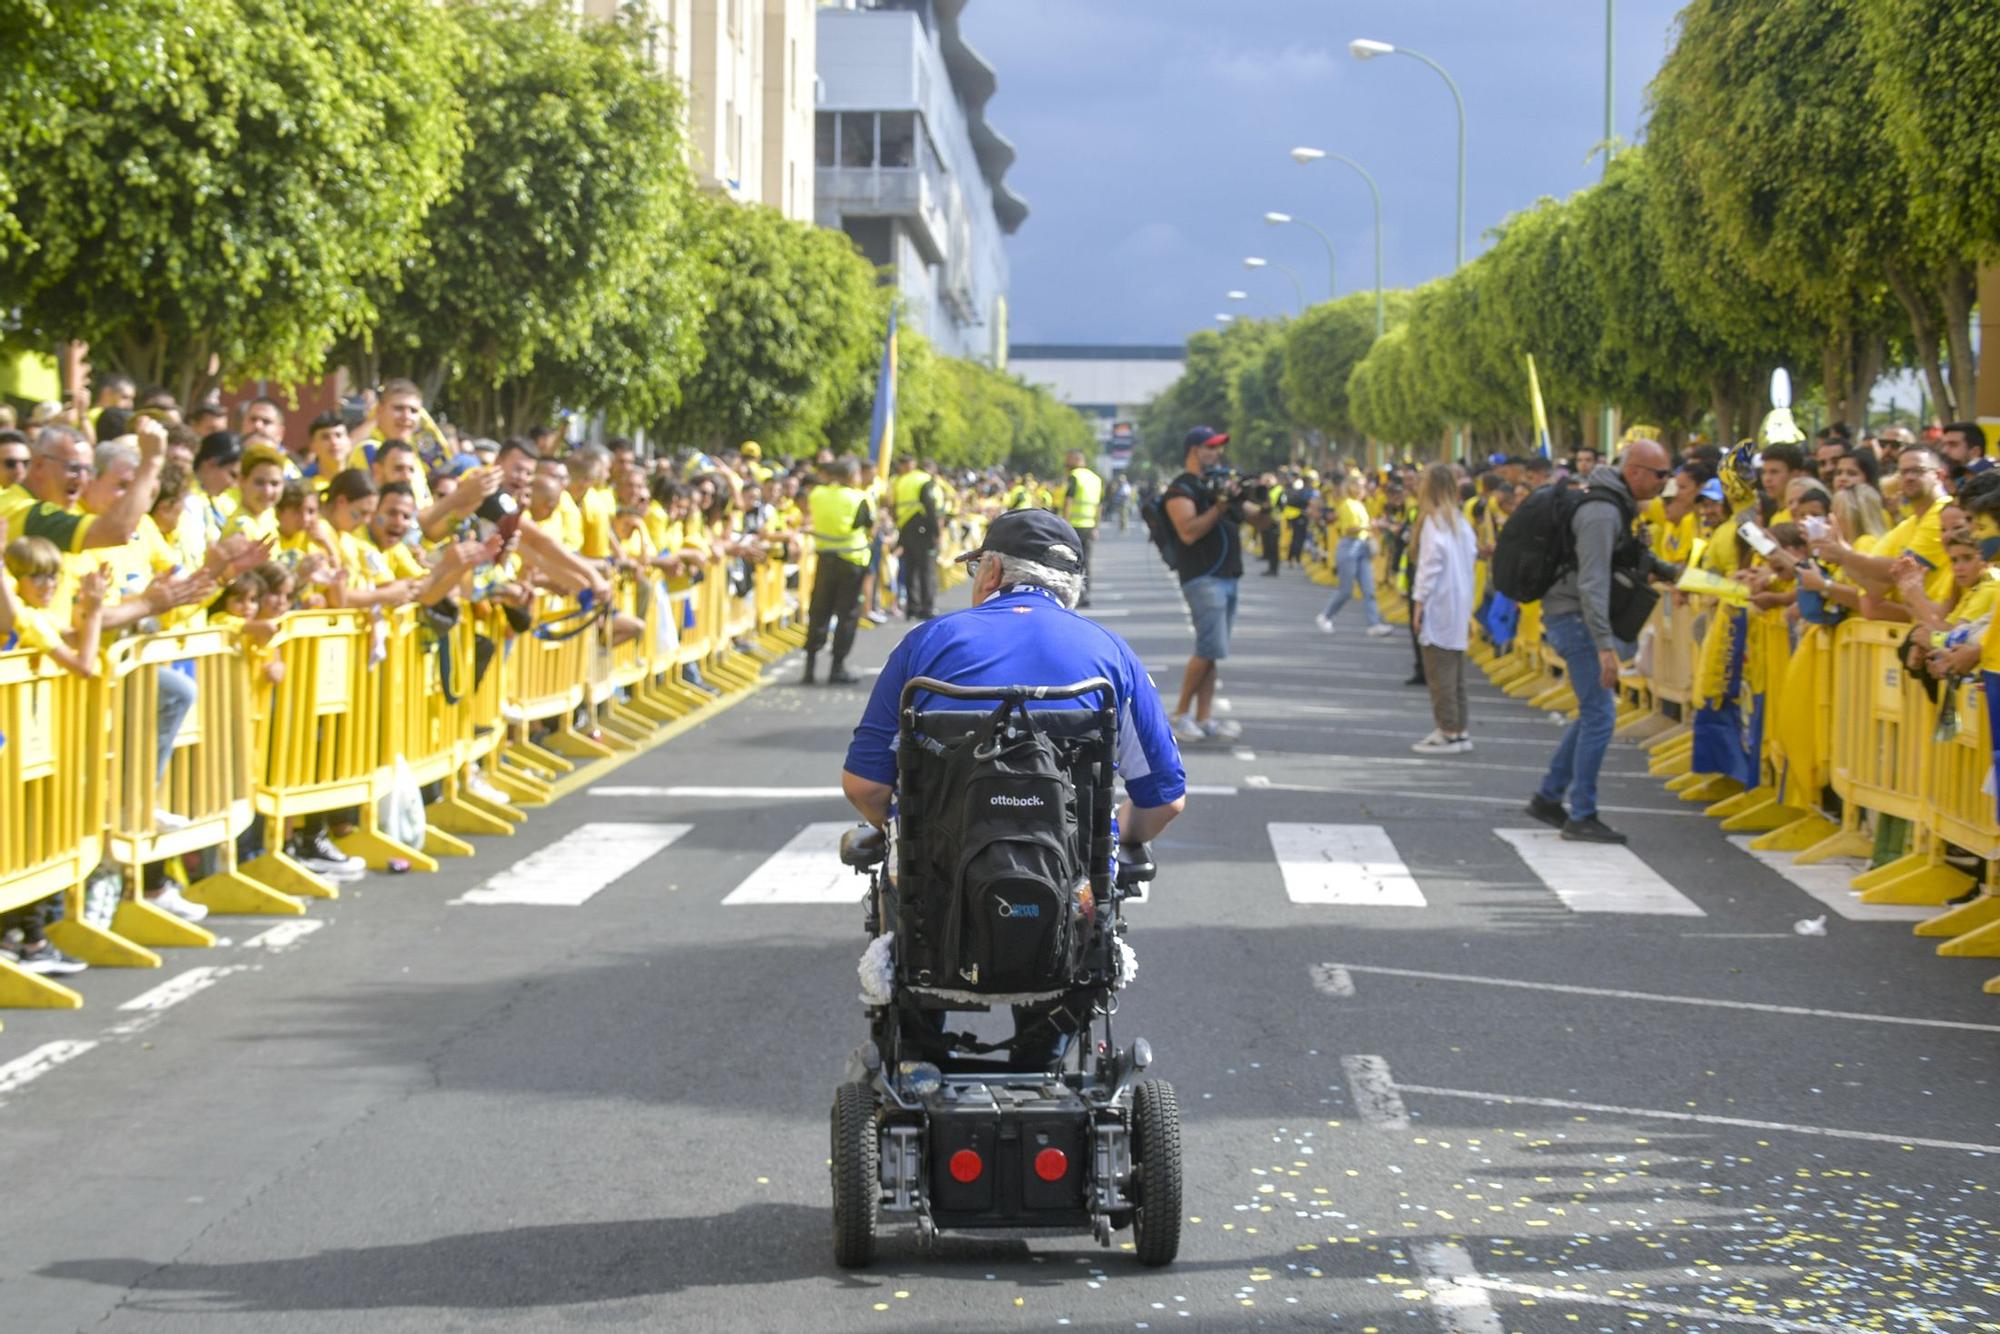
<point>1211,601</point>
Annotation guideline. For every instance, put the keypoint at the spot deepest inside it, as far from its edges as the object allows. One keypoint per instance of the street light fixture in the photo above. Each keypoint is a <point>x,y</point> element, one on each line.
<point>1258,262</point>
<point>1280,219</point>
<point>1363,48</point>
<point>1305,157</point>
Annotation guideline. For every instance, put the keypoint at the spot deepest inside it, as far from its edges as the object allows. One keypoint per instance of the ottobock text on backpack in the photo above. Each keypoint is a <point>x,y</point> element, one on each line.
<point>1538,544</point>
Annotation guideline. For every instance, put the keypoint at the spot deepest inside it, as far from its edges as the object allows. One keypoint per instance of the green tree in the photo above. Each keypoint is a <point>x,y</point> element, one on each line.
<point>550,246</point>
<point>215,189</point>
<point>792,340</point>
<point>1322,349</point>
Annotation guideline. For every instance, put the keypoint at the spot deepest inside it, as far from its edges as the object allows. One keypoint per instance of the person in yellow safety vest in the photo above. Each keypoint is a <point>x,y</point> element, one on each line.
<point>1079,501</point>
<point>914,496</point>
<point>1272,538</point>
<point>753,461</point>
<point>843,521</point>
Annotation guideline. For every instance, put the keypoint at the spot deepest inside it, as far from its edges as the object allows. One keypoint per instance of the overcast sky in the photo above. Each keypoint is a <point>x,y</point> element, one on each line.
<point>1153,136</point>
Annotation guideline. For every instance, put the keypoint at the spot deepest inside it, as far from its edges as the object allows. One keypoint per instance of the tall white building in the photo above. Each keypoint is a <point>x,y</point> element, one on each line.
<point>909,168</point>
<point>747,69</point>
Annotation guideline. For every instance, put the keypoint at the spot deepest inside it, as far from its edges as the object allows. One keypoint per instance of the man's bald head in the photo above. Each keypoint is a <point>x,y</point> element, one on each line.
<point>1645,466</point>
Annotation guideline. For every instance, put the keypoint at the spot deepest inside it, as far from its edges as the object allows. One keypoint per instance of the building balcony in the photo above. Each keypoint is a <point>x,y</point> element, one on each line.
<point>915,194</point>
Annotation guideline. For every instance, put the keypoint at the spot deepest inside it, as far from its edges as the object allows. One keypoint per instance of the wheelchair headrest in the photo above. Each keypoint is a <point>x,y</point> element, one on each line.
<point>948,727</point>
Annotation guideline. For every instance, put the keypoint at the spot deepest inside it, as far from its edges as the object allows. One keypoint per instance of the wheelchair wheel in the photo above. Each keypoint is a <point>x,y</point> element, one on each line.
<point>1156,1154</point>
<point>856,1175</point>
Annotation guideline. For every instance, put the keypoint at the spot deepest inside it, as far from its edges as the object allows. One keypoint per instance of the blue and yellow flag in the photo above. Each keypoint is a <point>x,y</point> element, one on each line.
<point>1541,413</point>
<point>882,430</point>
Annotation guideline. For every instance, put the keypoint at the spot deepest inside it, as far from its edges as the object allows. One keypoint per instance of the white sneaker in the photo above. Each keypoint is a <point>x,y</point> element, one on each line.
<point>171,900</point>
<point>165,821</point>
<point>319,855</point>
<point>1226,729</point>
<point>1437,743</point>
<point>1324,622</point>
<point>1187,729</point>
<point>1377,631</point>
<point>1461,744</point>
<point>878,616</point>
<point>476,784</point>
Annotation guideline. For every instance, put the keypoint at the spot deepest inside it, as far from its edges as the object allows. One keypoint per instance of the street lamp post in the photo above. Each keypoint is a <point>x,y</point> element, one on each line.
<point>1607,423</point>
<point>1280,219</point>
<point>1363,48</point>
<point>1259,262</point>
<point>1303,156</point>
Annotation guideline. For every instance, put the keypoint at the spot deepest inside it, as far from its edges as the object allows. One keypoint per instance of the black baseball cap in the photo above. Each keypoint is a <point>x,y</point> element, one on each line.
<point>1041,536</point>
<point>1203,435</point>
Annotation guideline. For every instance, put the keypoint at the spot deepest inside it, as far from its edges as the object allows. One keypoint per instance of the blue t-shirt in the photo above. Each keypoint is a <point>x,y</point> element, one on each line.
<point>1025,636</point>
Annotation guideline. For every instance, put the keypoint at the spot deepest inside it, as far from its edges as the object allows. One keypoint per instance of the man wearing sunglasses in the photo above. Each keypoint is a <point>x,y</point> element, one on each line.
<point>14,456</point>
<point>1595,592</point>
<point>43,500</point>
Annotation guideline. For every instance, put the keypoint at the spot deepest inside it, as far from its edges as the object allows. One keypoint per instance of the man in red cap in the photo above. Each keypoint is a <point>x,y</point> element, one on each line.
<point>1207,515</point>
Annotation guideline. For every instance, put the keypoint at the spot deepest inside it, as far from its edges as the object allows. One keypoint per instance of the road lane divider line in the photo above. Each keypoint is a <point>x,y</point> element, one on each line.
<point>1351,865</point>
<point>807,869</point>
<point>1699,1118</point>
<point>697,790</point>
<point>1598,877</point>
<point>1330,979</point>
<point>1452,798</point>
<point>1373,1089</point>
<point>1663,998</point>
<point>1699,1314</point>
<point>571,871</point>
<point>1828,883</point>
<point>284,936</point>
<point>1461,1303</point>
<point>178,988</point>
<point>24,1070</point>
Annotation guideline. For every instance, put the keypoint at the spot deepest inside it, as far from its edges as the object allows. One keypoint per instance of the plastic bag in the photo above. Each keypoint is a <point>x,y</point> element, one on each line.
<point>400,813</point>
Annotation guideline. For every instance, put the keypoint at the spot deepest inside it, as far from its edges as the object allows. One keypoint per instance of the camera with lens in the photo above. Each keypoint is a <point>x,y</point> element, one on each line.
<point>1231,489</point>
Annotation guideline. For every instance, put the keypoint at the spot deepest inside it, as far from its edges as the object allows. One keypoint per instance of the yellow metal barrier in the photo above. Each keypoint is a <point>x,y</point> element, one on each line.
<point>52,795</point>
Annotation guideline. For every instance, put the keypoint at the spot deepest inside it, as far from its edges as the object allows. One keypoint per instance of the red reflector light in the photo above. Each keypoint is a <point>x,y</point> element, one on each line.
<point>1051,1164</point>
<point>966,1166</point>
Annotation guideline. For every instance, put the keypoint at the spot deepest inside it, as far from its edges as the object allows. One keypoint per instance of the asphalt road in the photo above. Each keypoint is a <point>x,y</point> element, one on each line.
<point>434,1114</point>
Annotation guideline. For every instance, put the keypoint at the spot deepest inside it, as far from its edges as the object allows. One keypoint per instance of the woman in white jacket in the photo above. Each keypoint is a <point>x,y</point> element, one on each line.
<point>1442,594</point>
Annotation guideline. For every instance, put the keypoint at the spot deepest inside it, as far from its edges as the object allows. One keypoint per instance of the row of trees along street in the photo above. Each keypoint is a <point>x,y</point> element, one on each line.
<point>493,199</point>
<point>1815,190</point>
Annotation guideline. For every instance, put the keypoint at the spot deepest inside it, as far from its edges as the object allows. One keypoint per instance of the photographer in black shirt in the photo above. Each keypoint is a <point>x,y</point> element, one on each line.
<point>1207,505</point>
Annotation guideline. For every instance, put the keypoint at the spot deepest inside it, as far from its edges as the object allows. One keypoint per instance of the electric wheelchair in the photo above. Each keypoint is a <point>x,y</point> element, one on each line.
<point>1056,1129</point>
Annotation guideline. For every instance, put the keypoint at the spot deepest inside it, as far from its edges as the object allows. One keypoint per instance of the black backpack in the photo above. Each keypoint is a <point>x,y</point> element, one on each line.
<point>1537,546</point>
<point>998,901</point>
<point>1160,528</point>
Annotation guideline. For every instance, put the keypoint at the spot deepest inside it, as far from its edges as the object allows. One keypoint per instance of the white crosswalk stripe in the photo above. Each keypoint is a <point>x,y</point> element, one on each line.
<point>805,870</point>
<point>1828,882</point>
<point>1347,864</point>
<point>570,871</point>
<point>1598,877</point>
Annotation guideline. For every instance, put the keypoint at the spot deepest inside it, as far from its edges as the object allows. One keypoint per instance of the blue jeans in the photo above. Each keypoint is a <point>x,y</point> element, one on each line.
<point>1581,754</point>
<point>1211,601</point>
<point>1352,567</point>
<point>176,698</point>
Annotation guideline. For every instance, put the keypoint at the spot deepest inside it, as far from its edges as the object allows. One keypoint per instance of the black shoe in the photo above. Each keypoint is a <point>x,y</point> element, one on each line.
<point>1590,829</point>
<point>1416,679</point>
<point>1548,812</point>
<point>812,672</point>
<point>840,676</point>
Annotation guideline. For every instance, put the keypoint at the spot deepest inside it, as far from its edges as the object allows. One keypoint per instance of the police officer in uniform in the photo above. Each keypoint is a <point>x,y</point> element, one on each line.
<point>915,498</point>
<point>1021,630</point>
<point>1081,498</point>
<point>842,523</point>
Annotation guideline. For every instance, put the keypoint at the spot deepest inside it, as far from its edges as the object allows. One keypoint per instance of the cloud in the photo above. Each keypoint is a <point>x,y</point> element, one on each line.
<point>1261,69</point>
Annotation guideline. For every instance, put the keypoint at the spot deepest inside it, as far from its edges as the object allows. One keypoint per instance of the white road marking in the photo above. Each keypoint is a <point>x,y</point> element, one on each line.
<point>1098,613</point>
<point>1828,882</point>
<point>1330,979</point>
<point>570,871</point>
<point>805,870</point>
<point>1598,877</point>
<point>285,935</point>
<point>1656,1114</point>
<point>1663,999</point>
<point>1350,864</point>
<point>1698,1314</point>
<point>1374,1091</point>
<point>177,989</point>
<point>24,1070</point>
<point>1243,753</point>
<point>747,793</point>
<point>1211,789</point>
<point>1453,798</point>
<point>1460,1301</point>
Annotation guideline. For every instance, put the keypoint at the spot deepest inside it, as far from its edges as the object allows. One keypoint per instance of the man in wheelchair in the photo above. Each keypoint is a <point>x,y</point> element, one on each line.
<point>999,773</point>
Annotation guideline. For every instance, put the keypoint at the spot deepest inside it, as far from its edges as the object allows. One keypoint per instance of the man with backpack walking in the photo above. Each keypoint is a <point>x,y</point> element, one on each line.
<point>1574,550</point>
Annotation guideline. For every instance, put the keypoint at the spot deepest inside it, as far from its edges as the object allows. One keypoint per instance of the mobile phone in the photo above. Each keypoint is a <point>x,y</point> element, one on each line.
<point>1922,560</point>
<point>1760,541</point>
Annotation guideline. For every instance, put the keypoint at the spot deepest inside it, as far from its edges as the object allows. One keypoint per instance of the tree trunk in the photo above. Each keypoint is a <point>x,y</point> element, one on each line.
<point>1920,312</point>
<point>1957,292</point>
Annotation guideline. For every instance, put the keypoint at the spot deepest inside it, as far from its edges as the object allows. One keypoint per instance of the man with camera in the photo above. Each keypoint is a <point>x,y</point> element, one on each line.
<point>1207,506</point>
